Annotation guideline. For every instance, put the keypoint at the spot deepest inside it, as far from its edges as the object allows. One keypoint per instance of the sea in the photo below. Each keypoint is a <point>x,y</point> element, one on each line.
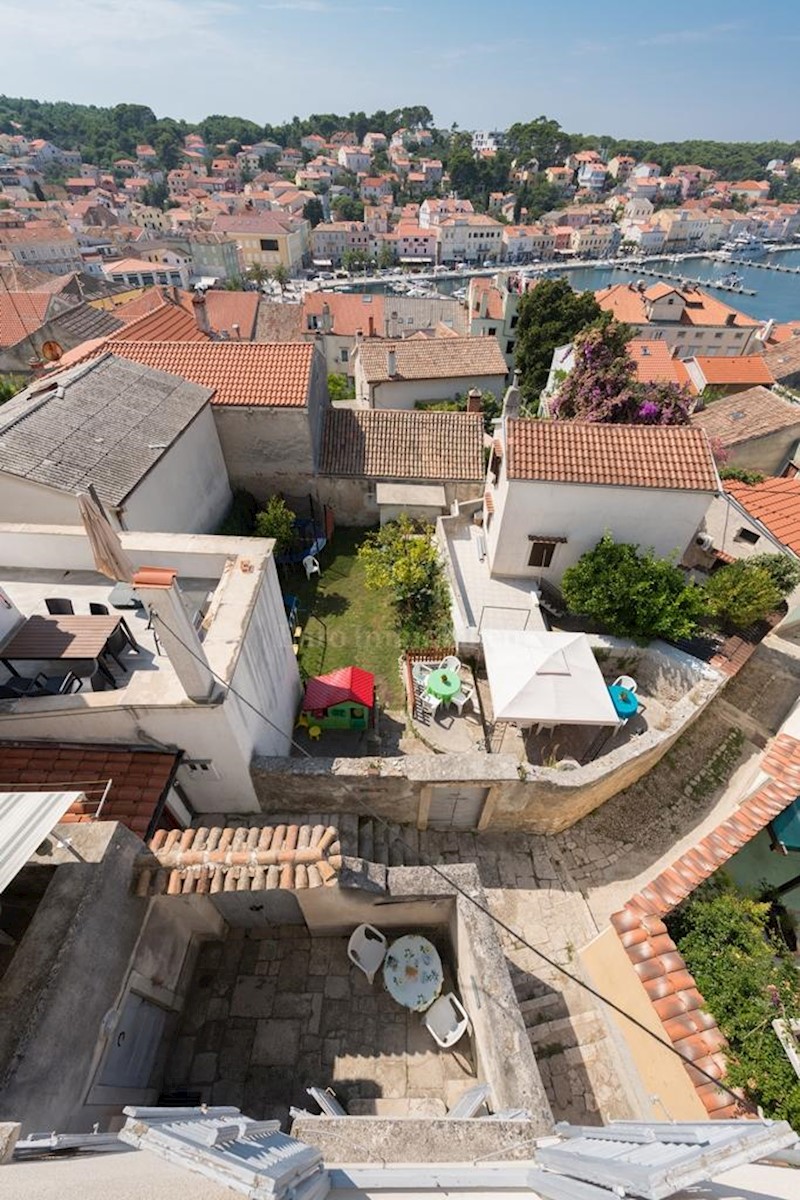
<point>777,295</point>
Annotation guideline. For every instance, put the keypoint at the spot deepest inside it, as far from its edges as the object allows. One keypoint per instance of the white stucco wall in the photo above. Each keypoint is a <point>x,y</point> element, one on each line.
<point>406,393</point>
<point>665,520</point>
<point>187,491</point>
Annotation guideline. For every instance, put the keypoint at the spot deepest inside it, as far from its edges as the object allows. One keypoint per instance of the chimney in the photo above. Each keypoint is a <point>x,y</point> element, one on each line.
<point>371,325</point>
<point>512,401</point>
<point>200,313</point>
<point>36,367</point>
<point>326,321</point>
<point>474,400</point>
<point>237,331</point>
<point>359,336</point>
<point>391,363</point>
<point>158,589</point>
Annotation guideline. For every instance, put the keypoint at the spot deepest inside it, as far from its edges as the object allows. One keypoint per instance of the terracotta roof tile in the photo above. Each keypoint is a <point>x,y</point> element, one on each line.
<point>402,444</point>
<point>435,358</point>
<point>258,374</point>
<point>650,456</point>
<point>625,302</point>
<point>138,777</point>
<point>349,313</point>
<point>257,859</point>
<point>21,313</point>
<point>775,503</point>
<point>722,369</point>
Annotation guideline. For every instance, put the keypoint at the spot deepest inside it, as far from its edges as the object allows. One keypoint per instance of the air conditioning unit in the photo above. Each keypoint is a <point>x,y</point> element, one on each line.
<point>705,542</point>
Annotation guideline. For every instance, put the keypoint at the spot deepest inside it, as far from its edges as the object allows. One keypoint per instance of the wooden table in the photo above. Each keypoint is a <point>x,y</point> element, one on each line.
<point>59,638</point>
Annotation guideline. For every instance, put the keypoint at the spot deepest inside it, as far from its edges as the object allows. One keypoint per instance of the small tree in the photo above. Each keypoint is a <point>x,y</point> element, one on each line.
<point>549,315</point>
<point>741,594</point>
<point>385,256</point>
<point>276,521</point>
<point>9,386</point>
<point>313,211</point>
<point>631,593</point>
<point>402,558</point>
<point>341,387</point>
<point>257,274</point>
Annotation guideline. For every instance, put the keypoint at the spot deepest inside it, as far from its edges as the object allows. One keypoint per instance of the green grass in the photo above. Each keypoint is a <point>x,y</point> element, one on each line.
<point>344,624</point>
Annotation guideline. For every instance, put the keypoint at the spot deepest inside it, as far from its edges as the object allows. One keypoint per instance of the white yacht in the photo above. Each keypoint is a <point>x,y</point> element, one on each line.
<point>742,247</point>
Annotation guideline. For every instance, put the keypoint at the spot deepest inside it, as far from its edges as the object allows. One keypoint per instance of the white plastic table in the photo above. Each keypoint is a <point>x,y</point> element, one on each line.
<point>412,972</point>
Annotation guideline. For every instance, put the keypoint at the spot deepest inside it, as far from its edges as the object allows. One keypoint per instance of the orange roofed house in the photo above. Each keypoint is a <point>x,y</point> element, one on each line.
<point>688,319</point>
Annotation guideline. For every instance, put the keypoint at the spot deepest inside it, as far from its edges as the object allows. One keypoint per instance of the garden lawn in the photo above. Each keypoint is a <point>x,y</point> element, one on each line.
<point>344,624</point>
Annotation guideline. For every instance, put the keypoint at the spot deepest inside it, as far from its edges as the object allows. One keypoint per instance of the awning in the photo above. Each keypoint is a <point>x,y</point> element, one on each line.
<point>322,262</point>
<point>553,678</point>
<point>414,495</point>
<point>26,818</point>
<point>413,258</point>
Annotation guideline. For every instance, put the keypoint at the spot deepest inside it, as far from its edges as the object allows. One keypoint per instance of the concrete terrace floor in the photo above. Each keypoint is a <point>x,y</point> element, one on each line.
<point>273,1011</point>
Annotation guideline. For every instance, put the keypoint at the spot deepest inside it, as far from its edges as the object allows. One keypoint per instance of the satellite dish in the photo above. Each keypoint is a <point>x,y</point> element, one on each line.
<point>51,351</point>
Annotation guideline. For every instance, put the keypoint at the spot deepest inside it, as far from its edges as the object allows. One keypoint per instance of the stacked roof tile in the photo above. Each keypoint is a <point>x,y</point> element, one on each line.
<point>402,444</point>
<point>207,861</point>
<point>650,456</point>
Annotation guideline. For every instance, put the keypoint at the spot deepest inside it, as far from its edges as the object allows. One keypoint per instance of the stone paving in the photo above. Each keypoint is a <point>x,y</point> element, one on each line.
<point>273,1011</point>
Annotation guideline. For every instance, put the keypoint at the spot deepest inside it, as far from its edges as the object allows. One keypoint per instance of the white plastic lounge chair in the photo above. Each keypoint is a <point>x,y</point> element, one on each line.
<point>463,698</point>
<point>431,704</point>
<point>470,1103</point>
<point>627,682</point>
<point>327,1101</point>
<point>450,663</point>
<point>311,566</point>
<point>367,949</point>
<point>421,671</point>
<point>446,1020</point>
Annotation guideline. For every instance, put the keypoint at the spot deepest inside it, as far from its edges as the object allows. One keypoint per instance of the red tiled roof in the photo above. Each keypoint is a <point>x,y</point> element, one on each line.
<point>654,362</point>
<point>339,687</point>
<point>386,443</point>
<point>168,323</point>
<point>139,778</point>
<point>750,369</point>
<point>349,313</point>
<point>754,413</point>
<point>261,374</point>
<point>775,503</point>
<point>21,313</point>
<point>435,358</point>
<point>650,456</point>
<point>625,302</point>
<point>655,957</point>
<point>207,861</point>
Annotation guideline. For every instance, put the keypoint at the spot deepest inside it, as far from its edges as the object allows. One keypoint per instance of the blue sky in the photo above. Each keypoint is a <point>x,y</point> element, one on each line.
<point>682,69</point>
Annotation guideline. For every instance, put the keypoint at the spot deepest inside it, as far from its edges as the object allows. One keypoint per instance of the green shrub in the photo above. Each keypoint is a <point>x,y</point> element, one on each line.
<point>782,570</point>
<point>241,516</point>
<point>631,593</point>
<point>741,594</point>
<point>748,979</point>
<point>276,521</point>
<point>742,474</point>
<point>402,558</point>
<point>341,388</point>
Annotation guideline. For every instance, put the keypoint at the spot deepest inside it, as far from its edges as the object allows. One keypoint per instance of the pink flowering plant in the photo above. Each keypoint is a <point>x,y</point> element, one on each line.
<point>602,386</point>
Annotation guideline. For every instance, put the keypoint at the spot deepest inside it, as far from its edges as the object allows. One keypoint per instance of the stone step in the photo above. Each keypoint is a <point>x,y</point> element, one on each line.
<point>410,836</point>
<point>366,839</point>
<point>396,836</point>
<point>539,1009</point>
<point>579,1029</point>
<point>380,843</point>
<point>347,824</point>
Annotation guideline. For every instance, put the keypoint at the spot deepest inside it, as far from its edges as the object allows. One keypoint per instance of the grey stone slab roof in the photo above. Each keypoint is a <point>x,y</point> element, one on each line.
<point>106,423</point>
<point>81,322</point>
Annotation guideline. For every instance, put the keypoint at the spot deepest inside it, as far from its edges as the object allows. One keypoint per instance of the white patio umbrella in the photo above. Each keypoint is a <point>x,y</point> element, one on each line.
<point>109,557</point>
<point>552,678</point>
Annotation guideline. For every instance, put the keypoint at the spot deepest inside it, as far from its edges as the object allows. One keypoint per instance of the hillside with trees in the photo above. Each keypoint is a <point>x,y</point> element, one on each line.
<point>106,134</point>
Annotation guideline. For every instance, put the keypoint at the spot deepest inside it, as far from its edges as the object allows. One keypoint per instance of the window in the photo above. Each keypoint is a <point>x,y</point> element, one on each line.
<point>268,243</point>
<point>542,551</point>
<point>718,336</point>
<point>344,355</point>
<point>510,347</point>
<point>492,330</point>
<point>514,322</point>
<point>747,535</point>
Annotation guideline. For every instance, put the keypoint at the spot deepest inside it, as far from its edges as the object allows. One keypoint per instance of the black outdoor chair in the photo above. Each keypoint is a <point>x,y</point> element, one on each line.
<point>17,686</point>
<point>57,685</point>
<point>98,610</point>
<point>120,639</point>
<point>58,606</point>
<point>102,680</point>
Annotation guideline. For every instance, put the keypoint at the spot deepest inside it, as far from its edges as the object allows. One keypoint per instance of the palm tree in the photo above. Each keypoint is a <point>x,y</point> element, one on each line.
<point>280,275</point>
<point>257,274</point>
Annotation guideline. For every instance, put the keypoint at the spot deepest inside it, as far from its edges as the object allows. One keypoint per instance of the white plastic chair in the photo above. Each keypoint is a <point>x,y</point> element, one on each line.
<point>421,671</point>
<point>627,682</point>
<point>311,566</point>
<point>446,1020</point>
<point>450,663</point>
<point>462,698</point>
<point>431,704</point>
<point>367,949</point>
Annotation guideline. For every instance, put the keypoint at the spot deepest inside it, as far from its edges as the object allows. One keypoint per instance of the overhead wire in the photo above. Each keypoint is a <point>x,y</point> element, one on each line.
<point>739,1100</point>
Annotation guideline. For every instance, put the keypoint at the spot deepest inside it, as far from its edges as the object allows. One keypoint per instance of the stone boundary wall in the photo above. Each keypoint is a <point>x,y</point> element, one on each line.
<point>521,796</point>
